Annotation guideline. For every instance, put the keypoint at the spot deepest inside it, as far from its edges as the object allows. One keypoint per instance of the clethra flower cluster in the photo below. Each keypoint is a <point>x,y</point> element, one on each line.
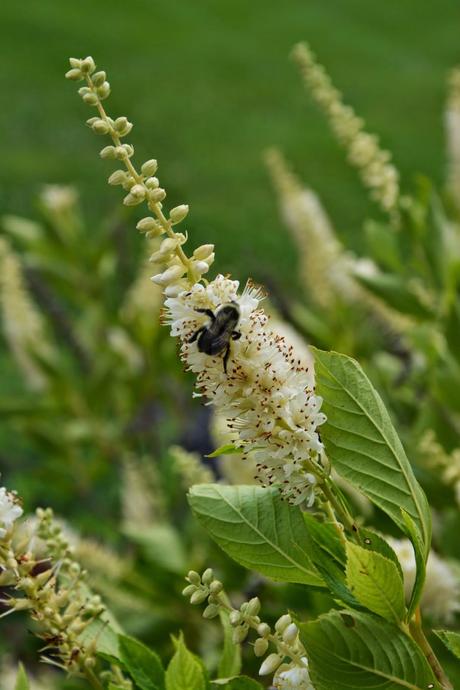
<point>288,662</point>
<point>266,393</point>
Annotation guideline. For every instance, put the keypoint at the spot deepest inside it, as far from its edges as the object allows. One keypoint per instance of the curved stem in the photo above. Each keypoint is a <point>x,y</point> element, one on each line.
<point>418,636</point>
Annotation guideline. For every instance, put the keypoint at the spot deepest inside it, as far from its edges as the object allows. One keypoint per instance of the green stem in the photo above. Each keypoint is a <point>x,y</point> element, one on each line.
<point>93,680</point>
<point>418,636</point>
<point>342,513</point>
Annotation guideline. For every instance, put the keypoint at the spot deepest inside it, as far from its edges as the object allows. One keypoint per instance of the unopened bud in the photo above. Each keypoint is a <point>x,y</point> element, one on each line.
<point>138,190</point>
<point>108,152</point>
<point>98,78</point>
<point>270,664</point>
<point>148,224</point>
<point>75,63</point>
<point>208,574</point>
<point>193,577</point>
<point>234,617</point>
<point>282,623</point>
<point>122,126</point>
<point>118,177</point>
<point>152,183</point>
<point>199,596</point>
<point>90,99</point>
<point>156,195</point>
<point>263,630</point>
<point>253,607</point>
<point>132,200</point>
<point>240,633</point>
<point>178,213</point>
<point>189,590</point>
<point>88,65</point>
<point>201,253</point>
<point>216,587</point>
<point>290,633</point>
<point>211,611</point>
<point>100,127</point>
<point>74,74</point>
<point>200,267</point>
<point>260,646</point>
<point>149,168</point>
<point>103,91</point>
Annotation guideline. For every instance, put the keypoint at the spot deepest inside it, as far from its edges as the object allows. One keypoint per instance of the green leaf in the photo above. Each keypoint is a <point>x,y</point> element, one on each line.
<point>375,582</point>
<point>161,544</point>
<point>22,682</point>
<point>143,665</point>
<point>239,683</point>
<point>257,529</point>
<point>350,650</point>
<point>383,245</point>
<point>373,541</point>
<point>451,640</point>
<point>363,445</point>
<point>185,671</point>
<point>230,660</point>
<point>226,449</point>
<point>396,293</point>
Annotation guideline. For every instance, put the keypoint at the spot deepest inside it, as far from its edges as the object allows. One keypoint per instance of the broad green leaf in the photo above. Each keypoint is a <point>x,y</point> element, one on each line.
<point>257,529</point>
<point>230,660</point>
<point>350,650</point>
<point>373,541</point>
<point>143,665</point>
<point>161,544</point>
<point>226,449</point>
<point>375,582</point>
<point>22,682</point>
<point>104,632</point>
<point>185,671</point>
<point>451,640</point>
<point>363,445</point>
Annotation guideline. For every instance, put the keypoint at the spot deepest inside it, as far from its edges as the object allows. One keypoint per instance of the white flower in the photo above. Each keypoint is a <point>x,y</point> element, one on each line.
<point>293,678</point>
<point>58,198</point>
<point>266,395</point>
<point>441,594</point>
<point>9,511</point>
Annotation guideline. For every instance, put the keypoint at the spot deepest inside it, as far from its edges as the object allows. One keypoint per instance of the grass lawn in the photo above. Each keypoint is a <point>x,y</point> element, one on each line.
<point>209,85</point>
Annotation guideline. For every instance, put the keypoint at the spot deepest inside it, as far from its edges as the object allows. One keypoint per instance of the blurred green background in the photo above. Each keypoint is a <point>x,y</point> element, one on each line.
<point>208,86</point>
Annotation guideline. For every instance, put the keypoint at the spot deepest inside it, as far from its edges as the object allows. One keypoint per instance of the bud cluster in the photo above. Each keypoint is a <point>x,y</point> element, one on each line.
<point>364,152</point>
<point>289,652</point>
<point>177,271</point>
<point>36,561</point>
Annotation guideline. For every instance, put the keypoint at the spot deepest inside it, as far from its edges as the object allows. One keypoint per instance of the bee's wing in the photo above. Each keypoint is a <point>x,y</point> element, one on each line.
<point>219,343</point>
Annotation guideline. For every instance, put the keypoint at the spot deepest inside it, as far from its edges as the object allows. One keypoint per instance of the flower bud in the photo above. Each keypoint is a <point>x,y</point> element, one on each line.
<point>108,152</point>
<point>193,577</point>
<point>235,618</point>
<point>149,168</point>
<point>169,276</point>
<point>156,195</point>
<point>173,290</point>
<point>74,74</point>
<point>118,177</point>
<point>99,78</point>
<point>201,253</point>
<point>152,182</point>
<point>290,634</point>
<point>75,63</point>
<point>103,91</point>
<point>270,664</point>
<point>211,611</point>
<point>138,190</point>
<point>263,630</point>
<point>216,587</point>
<point>260,646</point>
<point>149,224</point>
<point>199,596</point>
<point>90,99</point>
<point>127,150</point>
<point>253,607</point>
<point>178,213</point>
<point>200,267</point>
<point>282,623</point>
<point>87,65</point>
<point>189,590</point>
<point>122,126</point>
<point>132,200</point>
<point>100,127</point>
<point>208,574</point>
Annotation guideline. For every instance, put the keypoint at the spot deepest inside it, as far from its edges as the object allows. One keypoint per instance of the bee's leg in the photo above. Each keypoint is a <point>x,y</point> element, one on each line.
<point>226,356</point>
<point>196,334</point>
<point>208,312</point>
<point>236,335</point>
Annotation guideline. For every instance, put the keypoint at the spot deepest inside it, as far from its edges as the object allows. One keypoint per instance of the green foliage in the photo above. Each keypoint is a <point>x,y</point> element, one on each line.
<point>185,671</point>
<point>257,529</point>
<point>451,640</point>
<point>363,445</point>
<point>230,660</point>
<point>22,682</point>
<point>240,683</point>
<point>350,650</point>
<point>375,582</point>
<point>143,665</point>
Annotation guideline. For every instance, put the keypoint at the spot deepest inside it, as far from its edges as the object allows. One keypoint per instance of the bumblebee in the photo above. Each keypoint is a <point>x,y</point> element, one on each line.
<point>216,336</point>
